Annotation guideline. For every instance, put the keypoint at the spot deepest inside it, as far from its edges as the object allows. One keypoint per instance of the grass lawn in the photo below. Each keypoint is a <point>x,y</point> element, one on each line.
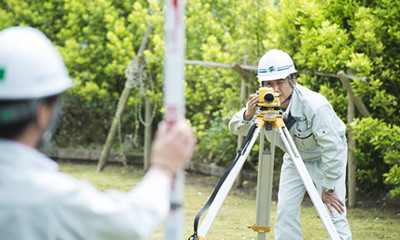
<point>238,210</point>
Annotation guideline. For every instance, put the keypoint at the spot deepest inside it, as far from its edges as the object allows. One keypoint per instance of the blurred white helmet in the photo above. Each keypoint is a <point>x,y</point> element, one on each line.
<point>274,65</point>
<point>30,65</point>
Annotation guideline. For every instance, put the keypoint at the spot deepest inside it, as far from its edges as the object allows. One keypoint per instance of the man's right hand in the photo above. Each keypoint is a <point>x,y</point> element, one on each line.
<point>251,107</point>
<point>172,149</point>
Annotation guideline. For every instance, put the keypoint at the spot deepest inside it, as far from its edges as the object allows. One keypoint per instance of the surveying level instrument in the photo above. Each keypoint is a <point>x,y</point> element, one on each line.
<point>269,119</point>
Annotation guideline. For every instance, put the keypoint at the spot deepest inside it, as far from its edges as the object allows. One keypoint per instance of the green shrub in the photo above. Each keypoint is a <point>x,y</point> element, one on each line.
<point>380,163</point>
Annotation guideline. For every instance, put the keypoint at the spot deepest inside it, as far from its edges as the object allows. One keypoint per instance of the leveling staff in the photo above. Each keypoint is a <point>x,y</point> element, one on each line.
<point>319,135</point>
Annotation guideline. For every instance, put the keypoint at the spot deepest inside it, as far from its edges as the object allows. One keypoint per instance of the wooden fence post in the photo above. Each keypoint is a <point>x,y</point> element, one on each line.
<point>351,164</point>
<point>113,130</point>
<point>352,100</point>
<point>147,134</point>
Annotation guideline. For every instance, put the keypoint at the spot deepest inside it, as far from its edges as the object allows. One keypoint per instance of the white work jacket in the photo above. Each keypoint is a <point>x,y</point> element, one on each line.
<point>37,202</point>
<point>318,133</point>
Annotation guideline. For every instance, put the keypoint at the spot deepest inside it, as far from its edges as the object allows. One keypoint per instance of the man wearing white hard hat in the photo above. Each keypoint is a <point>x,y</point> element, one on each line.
<point>319,135</point>
<point>37,201</point>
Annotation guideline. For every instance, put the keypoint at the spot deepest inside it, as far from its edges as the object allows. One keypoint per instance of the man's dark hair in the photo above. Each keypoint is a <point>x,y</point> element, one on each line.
<point>14,129</point>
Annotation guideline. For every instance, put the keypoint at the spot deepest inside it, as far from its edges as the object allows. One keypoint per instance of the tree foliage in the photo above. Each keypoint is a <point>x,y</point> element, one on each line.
<point>98,39</point>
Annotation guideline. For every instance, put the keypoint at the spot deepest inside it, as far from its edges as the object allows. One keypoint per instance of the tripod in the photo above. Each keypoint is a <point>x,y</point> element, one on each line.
<point>268,120</point>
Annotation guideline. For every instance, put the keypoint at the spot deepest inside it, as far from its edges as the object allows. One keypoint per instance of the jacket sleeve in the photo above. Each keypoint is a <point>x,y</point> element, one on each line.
<point>239,126</point>
<point>329,133</point>
<point>87,213</point>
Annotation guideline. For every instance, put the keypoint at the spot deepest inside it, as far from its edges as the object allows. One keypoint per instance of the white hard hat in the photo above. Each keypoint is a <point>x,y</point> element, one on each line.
<point>275,64</point>
<point>30,65</point>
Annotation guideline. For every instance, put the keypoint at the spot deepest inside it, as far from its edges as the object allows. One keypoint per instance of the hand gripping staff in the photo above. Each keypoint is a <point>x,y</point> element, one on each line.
<point>174,102</point>
<point>268,120</point>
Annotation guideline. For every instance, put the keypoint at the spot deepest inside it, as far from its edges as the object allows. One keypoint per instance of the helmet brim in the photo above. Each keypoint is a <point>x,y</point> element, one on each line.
<point>39,92</point>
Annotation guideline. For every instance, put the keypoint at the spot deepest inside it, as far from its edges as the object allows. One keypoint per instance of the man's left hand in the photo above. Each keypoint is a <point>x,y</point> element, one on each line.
<point>333,201</point>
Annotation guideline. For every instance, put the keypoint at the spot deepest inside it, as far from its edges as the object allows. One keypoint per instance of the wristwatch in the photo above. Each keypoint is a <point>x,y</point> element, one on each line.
<point>327,190</point>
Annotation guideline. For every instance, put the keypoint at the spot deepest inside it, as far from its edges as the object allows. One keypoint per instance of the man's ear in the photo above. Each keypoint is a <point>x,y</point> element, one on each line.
<point>44,113</point>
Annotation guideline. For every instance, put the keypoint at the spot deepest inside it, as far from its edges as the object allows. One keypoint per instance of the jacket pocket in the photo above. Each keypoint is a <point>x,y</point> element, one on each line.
<point>305,140</point>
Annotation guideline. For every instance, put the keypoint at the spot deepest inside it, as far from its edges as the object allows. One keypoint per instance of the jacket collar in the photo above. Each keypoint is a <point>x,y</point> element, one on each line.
<point>17,155</point>
<point>295,106</point>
